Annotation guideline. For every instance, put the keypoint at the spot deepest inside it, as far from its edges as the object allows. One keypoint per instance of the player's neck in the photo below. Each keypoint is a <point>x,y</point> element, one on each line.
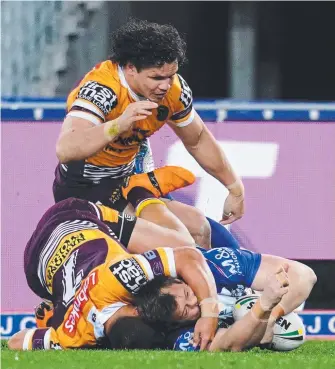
<point>127,82</point>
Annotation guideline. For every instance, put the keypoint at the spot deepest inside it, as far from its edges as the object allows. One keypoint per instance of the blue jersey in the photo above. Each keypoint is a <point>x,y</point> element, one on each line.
<point>233,271</point>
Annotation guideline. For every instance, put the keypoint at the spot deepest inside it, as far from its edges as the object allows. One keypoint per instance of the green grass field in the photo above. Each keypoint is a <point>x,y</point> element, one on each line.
<point>312,355</point>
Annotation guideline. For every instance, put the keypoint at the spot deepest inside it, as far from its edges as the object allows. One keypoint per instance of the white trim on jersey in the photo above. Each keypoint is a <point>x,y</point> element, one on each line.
<point>109,311</point>
<point>96,209</point>
<point>84,115</point>
<point>146,266</point>
<point>46,340</point>
<point>187,121</point>
<point>171,261</point>
<point>95,172</point>
<point>27,338</point>
<point>88,106</point>
<point>56,236</point>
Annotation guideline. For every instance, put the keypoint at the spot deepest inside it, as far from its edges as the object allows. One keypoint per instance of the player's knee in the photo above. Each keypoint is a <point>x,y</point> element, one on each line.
<point>310,275</point>
<point>200,230</point>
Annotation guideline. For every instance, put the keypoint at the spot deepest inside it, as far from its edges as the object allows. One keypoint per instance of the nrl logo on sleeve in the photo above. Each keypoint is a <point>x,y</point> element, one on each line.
<point>186,93</point>
<point>130,274</point>
<point>100,95</point>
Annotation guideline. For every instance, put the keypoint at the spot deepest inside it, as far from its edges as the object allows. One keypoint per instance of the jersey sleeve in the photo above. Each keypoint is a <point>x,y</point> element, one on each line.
<point>94,98</point>
<point>158,262</point>
<point>41,339</point>
<point>183,111</point>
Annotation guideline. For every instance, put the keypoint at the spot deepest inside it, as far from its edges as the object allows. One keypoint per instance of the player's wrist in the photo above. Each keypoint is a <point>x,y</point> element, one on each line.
<point>260,312</point>
<point>111,129</point>
<point>236,188</point>
<point>209,308</point>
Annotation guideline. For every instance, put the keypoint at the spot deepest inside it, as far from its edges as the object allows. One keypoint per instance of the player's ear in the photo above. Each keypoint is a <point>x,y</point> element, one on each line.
<point>130,69</point>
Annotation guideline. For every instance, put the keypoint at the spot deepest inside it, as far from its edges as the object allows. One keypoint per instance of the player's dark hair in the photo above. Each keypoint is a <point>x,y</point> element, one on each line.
<point>132,333</point>
<point>145,45</point>
<point>153,305</point>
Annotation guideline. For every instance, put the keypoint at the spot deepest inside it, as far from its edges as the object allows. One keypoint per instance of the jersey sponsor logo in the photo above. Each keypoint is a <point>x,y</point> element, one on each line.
<point>155,262</point>
<point>186,92</point>
<point>130,274</point>
<point>62,253</point>
<point>70,280</point>
<point>70,324</point>
<point>100,95</point>
<point>229,261</point>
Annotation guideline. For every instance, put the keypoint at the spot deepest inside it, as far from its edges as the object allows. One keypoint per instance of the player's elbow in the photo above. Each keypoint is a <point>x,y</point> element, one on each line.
<point>188,254</point>
<point>16,341</point>
<point>61,153</point>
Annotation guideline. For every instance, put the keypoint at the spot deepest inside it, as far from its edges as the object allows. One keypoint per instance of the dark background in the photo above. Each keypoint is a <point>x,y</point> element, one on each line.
<point>300,36</point>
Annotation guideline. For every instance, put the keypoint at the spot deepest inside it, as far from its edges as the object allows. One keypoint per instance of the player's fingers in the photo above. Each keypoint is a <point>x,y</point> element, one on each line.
<point>229,220</point>
<point>286,267</point>
<point>147,104</point>
<point>284,290</point>
<point>204,343</point>
<point>143,112</point>
<point>196,339</point>
<point>282,279</point>
<point>139,117</point>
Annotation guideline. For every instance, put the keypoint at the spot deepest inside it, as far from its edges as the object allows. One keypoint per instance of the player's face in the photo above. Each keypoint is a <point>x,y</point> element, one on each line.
<point>187,303</point>
<point>153,83</point>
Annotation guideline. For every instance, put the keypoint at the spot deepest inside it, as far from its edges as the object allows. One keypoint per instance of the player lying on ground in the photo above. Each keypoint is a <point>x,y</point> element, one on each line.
<point>75,261</point>
<point>134,333</point>
<point>167,300</point>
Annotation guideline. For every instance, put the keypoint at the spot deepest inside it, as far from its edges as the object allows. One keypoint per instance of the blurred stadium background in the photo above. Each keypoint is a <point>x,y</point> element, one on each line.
<point>262,74</point>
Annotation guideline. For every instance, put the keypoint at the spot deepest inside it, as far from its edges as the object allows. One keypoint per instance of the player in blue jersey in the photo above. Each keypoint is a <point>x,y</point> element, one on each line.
<point>169,300</point>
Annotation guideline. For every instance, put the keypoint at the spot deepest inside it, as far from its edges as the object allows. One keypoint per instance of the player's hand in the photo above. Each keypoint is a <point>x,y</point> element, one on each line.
<point>276,286</point>
<point>204,332</point>
<point>134,112</point>
<point>233,208</point>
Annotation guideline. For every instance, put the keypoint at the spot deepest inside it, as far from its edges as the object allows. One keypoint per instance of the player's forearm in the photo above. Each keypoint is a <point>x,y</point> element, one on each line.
<point>213,160</point>
<point>244,333</point>
<point>191,266</point>
<point>75,145</point>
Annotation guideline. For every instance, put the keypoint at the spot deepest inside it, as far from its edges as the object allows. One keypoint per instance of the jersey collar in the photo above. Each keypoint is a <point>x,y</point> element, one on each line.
<point>124,83</point>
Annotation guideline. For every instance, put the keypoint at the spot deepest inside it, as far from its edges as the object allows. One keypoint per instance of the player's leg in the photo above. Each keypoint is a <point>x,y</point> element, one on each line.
<point>158,227</point>
<point>301,279</point>
<point>194,220</point>
<point>220,236</point>
<point>144,190</point>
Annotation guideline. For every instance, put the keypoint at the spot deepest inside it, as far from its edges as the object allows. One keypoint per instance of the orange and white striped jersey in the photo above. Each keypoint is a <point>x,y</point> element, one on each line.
<point>103,95</point>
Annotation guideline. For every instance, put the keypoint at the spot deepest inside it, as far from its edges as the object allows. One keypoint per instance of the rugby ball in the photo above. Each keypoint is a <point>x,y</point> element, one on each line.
<point>289,331</point>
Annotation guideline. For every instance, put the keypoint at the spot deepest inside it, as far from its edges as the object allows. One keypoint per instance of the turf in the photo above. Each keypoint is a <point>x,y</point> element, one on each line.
<point>312,355</point>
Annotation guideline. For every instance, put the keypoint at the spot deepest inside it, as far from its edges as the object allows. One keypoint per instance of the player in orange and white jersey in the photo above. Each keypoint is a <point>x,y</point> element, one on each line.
<point>75,260</point>
<point>121,102</point>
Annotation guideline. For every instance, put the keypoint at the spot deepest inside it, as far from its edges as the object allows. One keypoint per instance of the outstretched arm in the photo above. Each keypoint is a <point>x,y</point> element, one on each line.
<point>249,331</point>
<point>202,145</point>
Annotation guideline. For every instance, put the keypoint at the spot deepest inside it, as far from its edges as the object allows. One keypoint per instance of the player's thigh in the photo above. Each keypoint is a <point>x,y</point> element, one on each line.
<point>192,218</point>
<point>270,264</point>
<point>147,236</point>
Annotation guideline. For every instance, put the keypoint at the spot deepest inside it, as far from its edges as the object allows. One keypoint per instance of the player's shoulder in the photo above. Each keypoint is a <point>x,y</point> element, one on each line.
<point>100,87</point>
<point>180,93</point>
